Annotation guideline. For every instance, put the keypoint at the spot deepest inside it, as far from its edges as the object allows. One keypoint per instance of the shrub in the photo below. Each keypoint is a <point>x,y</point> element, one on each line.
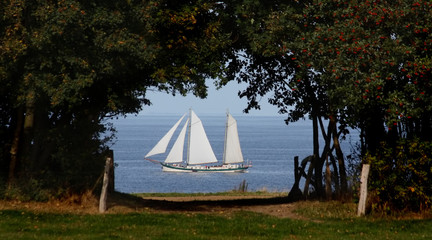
<point>401,176</point>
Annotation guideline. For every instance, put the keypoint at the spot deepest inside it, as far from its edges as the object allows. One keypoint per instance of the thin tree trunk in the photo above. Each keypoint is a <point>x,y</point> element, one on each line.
<point>336,175</point>
<point>326,151</point>
<point>15,146</point>
<point>314,162</point>
<point>308,178</point>
<point>374,129</point>
<point>318,164</point>
<point>28,132</point>
<point>340,157</point>
<point>328,181</point>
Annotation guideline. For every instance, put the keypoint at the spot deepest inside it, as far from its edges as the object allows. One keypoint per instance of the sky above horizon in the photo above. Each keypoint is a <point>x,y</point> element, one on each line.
<point>217,102</point>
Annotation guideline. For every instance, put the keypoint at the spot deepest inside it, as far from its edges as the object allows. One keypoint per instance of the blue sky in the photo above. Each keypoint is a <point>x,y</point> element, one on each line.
<point>217,102</point>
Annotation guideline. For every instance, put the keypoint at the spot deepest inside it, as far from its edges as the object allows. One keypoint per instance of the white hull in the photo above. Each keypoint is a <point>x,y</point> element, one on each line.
<point>230,168</point>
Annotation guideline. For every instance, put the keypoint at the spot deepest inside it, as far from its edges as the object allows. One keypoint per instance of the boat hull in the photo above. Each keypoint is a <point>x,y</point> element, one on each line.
<point>230,168</point>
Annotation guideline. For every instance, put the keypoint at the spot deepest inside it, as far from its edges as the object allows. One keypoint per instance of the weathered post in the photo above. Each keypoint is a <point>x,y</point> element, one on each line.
<point>363,190</point>
<point>296,170</point>
<point>104,193</point>
<point>295,194</point>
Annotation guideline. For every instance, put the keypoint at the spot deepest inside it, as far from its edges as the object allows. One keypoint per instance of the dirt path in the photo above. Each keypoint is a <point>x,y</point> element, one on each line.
<point>123,203</point>
<point>271,205</point>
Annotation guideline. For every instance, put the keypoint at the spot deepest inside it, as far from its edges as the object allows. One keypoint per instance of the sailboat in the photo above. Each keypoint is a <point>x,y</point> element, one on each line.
<point>200,155</point>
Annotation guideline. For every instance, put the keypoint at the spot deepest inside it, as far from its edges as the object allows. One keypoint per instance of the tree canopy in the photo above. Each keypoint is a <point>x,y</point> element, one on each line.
<point>362,64</point>
<point>67,65</point>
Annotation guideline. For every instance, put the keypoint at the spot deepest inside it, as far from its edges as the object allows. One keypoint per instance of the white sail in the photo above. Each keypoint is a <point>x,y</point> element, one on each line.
<point>176,153</point>
<point>161,146</point>
<point>232,150</point>
<point>200,150</point>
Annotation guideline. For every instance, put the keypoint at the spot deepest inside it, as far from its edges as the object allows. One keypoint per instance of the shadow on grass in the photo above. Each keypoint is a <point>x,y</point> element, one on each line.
<point>135,202</point>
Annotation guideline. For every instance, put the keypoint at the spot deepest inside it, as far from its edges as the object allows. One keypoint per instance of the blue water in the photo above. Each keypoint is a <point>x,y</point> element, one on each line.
<point>266,141</point>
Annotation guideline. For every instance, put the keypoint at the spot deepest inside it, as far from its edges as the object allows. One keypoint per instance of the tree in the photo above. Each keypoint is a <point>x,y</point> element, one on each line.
<point>363,64</point>
<point>364,49</point>
<point>67,65</point>
<point>270,64</point>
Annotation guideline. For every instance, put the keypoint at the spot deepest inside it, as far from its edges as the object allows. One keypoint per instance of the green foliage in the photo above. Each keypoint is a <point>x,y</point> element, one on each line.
<point>66,66</point>
<point>349,58</point>
<point>30,189</point>
<point>401,176</point>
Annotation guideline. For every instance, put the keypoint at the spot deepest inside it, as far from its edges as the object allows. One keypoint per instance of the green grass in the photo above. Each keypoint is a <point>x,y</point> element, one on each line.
<point>242,225</point>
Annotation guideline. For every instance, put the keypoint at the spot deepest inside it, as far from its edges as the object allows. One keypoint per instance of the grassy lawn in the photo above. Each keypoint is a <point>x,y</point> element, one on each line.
<point>325,222</point>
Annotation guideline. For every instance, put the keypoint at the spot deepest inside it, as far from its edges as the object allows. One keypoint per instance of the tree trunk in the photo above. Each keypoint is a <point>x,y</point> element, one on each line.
<point>324,156</point>
<point>340,157</point>
<point>308,178</point>
<point>15,146</point>
<point>111,183</point>
<point>314,162</point>
<point>318,166</point>
<point>328,181</point>
<point>335,175</point>
<point>426,126</point>
<point>374,130</point>
<point>28,131</point>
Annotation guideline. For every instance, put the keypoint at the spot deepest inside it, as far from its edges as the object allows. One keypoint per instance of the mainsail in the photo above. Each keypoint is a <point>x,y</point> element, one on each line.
<point>232,149</point>
<point>199,148</point>
<point>161,146</point>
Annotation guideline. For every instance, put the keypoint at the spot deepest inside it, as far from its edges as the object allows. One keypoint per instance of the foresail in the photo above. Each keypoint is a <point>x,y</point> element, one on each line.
<point>200,150</point>
<point>176,153</point>
<point>161,146</point>
<point>232,151</point>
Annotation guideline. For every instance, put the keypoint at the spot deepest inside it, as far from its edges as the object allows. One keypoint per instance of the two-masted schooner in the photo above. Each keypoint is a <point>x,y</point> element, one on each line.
<point>200,155</point>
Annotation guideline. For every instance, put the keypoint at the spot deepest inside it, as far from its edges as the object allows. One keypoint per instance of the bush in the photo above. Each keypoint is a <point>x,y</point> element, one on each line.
<point>70,162</point>
<point>401,176</point>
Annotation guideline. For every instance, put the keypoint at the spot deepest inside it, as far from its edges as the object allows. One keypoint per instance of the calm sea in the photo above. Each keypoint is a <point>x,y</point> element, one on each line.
<point>265,140</point>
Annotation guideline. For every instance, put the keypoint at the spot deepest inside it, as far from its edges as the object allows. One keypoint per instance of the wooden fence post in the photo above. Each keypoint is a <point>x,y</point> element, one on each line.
<point>295,194</point>
<point>296,170</point>
<point>104,193</point>
<point>363,190</point>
